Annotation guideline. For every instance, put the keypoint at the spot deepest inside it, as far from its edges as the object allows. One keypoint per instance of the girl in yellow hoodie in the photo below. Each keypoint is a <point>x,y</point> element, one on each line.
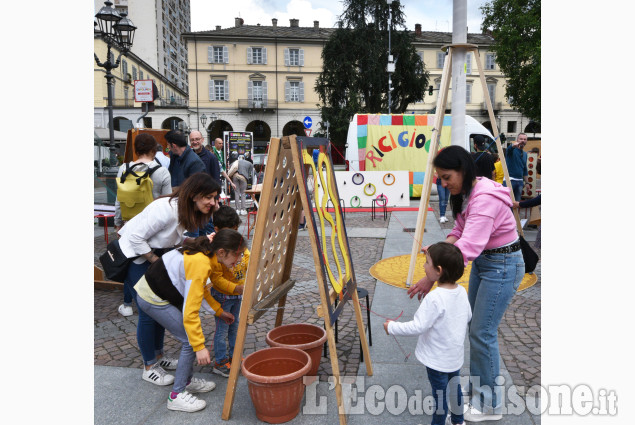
<point>172,292</point>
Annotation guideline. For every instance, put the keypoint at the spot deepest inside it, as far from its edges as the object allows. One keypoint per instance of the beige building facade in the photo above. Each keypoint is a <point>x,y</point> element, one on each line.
<point>261,79</point>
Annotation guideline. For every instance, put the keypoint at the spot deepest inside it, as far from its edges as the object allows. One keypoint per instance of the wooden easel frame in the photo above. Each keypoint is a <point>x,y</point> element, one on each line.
<point>434,145</point>
<point>250,312</point>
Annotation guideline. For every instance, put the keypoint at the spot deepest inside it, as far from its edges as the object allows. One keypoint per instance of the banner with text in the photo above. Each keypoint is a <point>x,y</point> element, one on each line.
<point>399,142</point>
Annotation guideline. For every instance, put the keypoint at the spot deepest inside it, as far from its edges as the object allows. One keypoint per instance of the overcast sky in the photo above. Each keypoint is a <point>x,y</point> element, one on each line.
<point>433,15</point>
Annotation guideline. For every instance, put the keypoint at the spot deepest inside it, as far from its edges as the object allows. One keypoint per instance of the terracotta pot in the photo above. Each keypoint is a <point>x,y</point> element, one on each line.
<point>306,337</point>
<point>274,376</point>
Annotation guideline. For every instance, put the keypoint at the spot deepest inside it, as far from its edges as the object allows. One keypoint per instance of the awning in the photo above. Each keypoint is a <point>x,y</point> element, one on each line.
<point>104,135</point>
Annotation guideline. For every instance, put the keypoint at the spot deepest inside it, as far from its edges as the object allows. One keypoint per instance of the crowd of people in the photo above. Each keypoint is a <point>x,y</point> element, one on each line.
<point>188,256</point>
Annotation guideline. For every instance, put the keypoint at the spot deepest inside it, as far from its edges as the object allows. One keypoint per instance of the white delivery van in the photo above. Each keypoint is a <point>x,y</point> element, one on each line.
<point>381,142</point>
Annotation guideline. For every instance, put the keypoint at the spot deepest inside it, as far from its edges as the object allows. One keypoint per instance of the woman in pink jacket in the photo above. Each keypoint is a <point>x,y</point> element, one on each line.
<point>485,232</point>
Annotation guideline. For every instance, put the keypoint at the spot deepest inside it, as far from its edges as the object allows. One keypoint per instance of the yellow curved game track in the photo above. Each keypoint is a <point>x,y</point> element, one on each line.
<point>394,271</point>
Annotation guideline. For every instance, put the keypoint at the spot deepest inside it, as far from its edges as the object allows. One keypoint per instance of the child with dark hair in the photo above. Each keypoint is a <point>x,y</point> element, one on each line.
<point>227,289</point>
<point>441,324</point>
<point>173,291</point>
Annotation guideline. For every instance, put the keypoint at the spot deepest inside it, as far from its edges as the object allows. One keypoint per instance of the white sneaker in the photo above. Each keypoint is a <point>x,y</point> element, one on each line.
<point>198,385</point>
<point>472,414</point>
<point>168,363</point>
<point>443,219</point>
<point>125,310</point>
<point>186,402</point>
<point>157,375</point>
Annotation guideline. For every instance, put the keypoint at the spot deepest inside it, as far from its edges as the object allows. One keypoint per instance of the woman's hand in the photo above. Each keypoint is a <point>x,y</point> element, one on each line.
<point>516,205</point>
<point>227,317</point>
<point>421,288</point>
<point>239,289</point>
<point>386,326</point>
<point>202,357</point>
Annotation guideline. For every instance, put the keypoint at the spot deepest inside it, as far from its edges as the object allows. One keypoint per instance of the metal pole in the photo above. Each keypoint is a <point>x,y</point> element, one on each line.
<point>459,36</point>
<point>389,54</point>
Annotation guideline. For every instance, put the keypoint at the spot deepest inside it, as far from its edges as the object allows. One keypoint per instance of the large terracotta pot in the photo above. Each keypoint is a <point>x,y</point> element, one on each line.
<point>306,337</point>
<point>274,376</point>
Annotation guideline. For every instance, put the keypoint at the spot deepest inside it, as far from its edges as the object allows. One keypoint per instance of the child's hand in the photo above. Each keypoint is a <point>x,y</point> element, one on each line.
<point>239,289</point>
<point>425,249</point>
<point>227,317</point>
<point>386,326</point>
<point>202,357</point>
<point>211,236</point>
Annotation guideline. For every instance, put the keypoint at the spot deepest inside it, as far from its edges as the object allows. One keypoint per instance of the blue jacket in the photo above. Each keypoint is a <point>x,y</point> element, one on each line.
<point>184,165</point>
<point>516,162</point>
<point>211,163</point>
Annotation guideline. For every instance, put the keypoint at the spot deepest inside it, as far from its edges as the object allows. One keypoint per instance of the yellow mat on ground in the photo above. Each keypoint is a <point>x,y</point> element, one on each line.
<point>394,271</point>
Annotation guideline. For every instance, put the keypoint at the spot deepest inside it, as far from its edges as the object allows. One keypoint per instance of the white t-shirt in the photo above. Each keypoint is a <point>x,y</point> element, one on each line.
<point>441,323</point>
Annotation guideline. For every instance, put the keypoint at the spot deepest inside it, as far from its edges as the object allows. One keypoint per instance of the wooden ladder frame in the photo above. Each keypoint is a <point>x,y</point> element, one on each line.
<point>434,145</point>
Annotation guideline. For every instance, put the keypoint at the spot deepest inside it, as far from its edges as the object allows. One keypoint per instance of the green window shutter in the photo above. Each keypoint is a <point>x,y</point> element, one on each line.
<point>301,57</point>
<point>210,54</point>
<point>286,57</point>
<point>225,54</point>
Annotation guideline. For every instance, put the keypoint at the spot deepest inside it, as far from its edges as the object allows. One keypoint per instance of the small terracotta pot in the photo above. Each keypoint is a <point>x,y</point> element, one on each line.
<point>274,376</point>
<point>306,337</point>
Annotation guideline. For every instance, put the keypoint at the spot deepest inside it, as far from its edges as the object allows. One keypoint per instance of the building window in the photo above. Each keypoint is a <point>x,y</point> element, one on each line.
<point>468,63</point>
<point>490,60</point>
<point>257,55</point>
<point>124,68</point>
<point>294,57</point>
<point>440,59</point>
<point>140,74</point>
<point>257,94</point>
<point>134,73</point>
<point>491,90</point>
<point>218,90</point>
<point>511,126</point>
<point>217,54</point>
<point>468,93</point>
<point>294,91</point>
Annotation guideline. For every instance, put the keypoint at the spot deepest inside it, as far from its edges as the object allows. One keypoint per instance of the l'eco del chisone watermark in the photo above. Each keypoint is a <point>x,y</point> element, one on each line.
<point>562,399</point>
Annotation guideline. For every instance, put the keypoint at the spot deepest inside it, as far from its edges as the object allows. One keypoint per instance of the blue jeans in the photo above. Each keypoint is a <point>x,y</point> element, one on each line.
<point>444,195</point>
<point>446,386</point>
<point>225,331</point>
<point>517,188</point>
<point>171,318</point>
<point>494,280</point>
<point>149,333</point>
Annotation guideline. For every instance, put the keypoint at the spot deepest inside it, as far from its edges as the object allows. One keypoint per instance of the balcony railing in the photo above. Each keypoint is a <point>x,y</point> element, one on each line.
<point>177,102</point>
<point>252,105</point>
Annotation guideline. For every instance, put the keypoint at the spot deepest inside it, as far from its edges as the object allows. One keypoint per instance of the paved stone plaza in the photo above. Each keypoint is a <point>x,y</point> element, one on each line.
<point>519,333</point>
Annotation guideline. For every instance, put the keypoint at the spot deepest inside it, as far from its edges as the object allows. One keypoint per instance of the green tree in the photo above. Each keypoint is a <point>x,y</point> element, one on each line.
<point>515,26</point>
<point>354,78</point>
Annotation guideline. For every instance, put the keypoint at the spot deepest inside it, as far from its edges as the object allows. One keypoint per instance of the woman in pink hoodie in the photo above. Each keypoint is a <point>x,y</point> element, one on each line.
<point>485,232</point>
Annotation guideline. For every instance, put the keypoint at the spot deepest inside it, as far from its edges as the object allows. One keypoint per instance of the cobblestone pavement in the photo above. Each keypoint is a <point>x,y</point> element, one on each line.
<point>519,331</point>
<point>115,341</point>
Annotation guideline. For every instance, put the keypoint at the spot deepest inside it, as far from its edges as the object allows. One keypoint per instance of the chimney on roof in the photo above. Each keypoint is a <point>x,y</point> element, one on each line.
<point>417,29</point>
<point>316,25</point>
<point>239,22</point>
<point>274,21</point>
<point>294,22</point>
<point>217,27</point>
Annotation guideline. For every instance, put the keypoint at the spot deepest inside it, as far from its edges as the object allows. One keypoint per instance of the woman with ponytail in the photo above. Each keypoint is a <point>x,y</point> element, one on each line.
<point>485,232</point>
<point>173,290</point>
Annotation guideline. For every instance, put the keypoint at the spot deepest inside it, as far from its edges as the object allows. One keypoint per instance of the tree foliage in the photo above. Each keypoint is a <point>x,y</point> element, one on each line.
<point>515,26</point>
<point>354,78</point>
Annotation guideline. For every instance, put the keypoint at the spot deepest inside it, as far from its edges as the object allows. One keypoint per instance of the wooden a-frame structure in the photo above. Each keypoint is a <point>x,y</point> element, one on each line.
<point>434,146</point>
<point>284,195</point>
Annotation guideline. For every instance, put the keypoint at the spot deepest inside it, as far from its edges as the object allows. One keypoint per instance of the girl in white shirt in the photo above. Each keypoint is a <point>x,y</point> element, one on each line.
<point>441,324</point>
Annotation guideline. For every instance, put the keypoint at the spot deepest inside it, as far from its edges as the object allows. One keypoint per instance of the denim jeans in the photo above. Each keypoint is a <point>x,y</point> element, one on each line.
<point>494,280</point>
<point>171,319</point>
<point>225,331</point>
<point>149,333</point>
<point>444,195</point>
<point>517,188</point>
<point>446,386</point>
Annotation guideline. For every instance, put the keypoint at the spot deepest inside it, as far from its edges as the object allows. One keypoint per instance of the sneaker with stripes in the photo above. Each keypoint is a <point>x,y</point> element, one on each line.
<point>157,375</point>
<point>168,363</point>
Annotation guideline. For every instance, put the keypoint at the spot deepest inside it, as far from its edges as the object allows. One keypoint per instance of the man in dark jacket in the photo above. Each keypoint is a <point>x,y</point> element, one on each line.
<point>183,161</point>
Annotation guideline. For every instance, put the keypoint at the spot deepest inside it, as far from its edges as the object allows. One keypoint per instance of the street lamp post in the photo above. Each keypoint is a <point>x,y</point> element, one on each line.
<point>391,65</point>
<point>117,31</point>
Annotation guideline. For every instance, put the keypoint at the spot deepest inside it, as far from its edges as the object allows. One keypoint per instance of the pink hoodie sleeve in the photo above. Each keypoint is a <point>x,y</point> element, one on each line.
<point>474,232</point>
